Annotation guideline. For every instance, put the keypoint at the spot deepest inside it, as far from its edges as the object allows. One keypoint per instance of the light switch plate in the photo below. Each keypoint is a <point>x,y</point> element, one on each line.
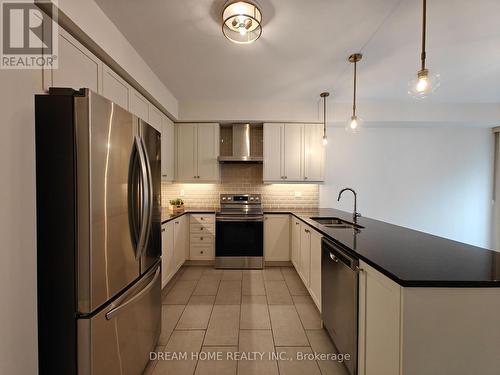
<point>182,193</point>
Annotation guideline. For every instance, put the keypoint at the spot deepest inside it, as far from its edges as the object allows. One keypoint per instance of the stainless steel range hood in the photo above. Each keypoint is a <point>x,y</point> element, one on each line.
<point>243,139</point>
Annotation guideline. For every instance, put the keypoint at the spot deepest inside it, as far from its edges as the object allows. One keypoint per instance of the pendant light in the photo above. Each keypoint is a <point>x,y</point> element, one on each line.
<point>425,83</point>
<point>241,21</point>
<point>354,123</point>
<point>324,95</point>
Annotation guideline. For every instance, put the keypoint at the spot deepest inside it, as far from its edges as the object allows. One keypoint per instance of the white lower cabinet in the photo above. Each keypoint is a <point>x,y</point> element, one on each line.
<point>277,237</point>
<point>202,237</point>
<point>295,240</point>
<point>315,274</point>
<point>167,253</point>
<point>174,238</point>
<point>305,254</point>
<point>379,323</point>
<point>181,240</point>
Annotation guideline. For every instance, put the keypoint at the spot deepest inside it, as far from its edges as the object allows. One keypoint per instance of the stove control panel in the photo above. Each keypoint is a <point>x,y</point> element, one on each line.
<point>240,198</point>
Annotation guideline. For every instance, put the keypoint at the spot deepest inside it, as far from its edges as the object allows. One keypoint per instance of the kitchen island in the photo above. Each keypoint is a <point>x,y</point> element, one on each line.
<point>427,305</point>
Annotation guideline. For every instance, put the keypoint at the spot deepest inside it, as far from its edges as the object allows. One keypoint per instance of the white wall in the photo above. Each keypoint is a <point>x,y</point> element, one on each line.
<point>18,335</point>
<point>434,180</point>
<point>421,113</point>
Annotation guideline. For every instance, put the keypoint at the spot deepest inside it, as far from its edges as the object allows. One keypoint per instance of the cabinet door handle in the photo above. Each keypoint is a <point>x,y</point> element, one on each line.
<point>176,222</point>
<point>201,252</point>
<point>163,229</point>
<point>305,177</point>
<point>297,223</point>
<point>201,238</point>
<point>307,231</point>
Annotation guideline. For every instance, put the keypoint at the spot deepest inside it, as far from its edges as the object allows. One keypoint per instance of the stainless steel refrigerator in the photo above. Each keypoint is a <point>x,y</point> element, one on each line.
<point>99,235</point>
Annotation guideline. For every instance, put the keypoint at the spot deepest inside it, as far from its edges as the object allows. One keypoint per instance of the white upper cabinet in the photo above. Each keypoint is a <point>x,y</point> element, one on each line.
<point>272,152</point>
<point>167,149</point>
<point>115,88</point>
<point>207,152</point>
<point>293,153</point>
<point>197,152</point>
<point>186,163</point>
<point>139,105</point>
<point>314,153</point>
<point>155,117</point>
<point>78,67</point>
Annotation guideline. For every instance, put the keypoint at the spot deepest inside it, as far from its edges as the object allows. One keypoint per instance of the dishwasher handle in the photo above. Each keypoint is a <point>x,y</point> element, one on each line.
<point>337,254</point>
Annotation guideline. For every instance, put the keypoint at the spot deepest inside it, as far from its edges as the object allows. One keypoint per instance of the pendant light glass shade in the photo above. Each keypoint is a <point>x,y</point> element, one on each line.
<point>354,125</point>
<point>241,22</point>
<point>424,83</point>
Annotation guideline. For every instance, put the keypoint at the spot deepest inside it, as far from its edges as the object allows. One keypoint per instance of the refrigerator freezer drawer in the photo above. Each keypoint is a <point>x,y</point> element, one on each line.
<point>119,338</point>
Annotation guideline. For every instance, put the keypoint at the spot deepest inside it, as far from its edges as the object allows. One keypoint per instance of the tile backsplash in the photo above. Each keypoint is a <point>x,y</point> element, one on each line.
<point>239,179</point>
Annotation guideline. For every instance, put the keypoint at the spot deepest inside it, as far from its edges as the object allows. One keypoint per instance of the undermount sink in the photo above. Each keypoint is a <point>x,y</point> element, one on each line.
<point>335,222</point>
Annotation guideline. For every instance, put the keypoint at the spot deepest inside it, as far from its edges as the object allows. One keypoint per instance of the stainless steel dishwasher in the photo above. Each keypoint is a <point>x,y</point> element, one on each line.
<point>339,296</point>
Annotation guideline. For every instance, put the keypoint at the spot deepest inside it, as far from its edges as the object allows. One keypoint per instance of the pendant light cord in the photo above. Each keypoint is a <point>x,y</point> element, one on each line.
<point>354,96</point>
<point>324,116</point>
<point>424,26</point>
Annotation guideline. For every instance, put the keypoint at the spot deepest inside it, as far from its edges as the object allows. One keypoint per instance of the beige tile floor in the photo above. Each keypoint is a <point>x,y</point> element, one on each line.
<point>219,311</point>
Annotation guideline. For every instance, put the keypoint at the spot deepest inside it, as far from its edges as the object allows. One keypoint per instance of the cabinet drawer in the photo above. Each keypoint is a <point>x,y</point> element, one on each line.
<point>202,218</point>
<point>202,228</point>
<point>202,252</point>
<point>203,238</point>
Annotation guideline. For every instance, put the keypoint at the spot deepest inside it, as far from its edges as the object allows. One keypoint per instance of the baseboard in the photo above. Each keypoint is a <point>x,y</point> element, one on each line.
<point>278,263</point>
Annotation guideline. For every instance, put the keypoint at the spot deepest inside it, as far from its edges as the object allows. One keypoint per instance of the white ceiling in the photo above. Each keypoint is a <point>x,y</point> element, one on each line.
<point>304,47</point>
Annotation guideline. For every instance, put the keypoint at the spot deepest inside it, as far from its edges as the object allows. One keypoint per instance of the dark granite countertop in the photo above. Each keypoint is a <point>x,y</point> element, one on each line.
<point>409,257</point>
<point>167,216</point>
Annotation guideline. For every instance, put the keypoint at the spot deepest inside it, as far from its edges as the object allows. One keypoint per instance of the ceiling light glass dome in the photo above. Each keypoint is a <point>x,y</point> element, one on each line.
<point>241,22</point>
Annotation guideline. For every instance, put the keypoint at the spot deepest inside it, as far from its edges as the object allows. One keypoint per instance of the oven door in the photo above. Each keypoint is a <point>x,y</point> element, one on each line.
<point>239,237</point>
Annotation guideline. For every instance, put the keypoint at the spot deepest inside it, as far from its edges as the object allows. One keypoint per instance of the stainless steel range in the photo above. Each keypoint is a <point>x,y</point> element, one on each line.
<point>239,240</point>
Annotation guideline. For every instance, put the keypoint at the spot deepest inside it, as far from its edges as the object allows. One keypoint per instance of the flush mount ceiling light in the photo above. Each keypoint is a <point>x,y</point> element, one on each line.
<point>324,95</point>
<point>425,83</point>
<point>353,125</point>
<point>241,21</point>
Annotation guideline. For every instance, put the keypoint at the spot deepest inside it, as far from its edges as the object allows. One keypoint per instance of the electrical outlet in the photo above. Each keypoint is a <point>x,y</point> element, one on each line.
<point>298,194</point>
<point>182,193</point>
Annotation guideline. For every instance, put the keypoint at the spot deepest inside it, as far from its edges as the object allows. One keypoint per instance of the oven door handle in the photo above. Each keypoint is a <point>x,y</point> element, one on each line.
<point>239,218</point>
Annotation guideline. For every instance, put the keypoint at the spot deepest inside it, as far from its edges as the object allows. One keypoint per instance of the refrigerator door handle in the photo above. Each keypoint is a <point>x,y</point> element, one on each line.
<point>121,307</point>
<point>148,189</point>
<point>141,244</point>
